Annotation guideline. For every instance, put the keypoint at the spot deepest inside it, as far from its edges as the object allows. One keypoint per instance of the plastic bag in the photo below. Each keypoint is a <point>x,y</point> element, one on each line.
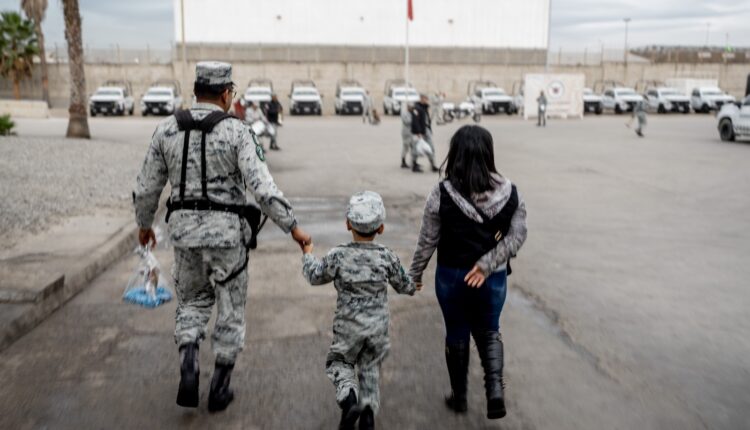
<point>422,148</point>
<point>146,287</point>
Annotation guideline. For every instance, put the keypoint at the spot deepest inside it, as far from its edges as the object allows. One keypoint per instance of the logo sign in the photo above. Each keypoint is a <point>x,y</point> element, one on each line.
<point>556,89</point>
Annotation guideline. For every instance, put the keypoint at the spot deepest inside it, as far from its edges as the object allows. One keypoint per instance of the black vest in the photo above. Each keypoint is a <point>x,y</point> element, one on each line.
<point>464,241</point>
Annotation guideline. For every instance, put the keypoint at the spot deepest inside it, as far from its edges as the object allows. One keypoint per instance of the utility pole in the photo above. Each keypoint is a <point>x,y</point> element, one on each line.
<point>625,72</point>
<point>184,48</point>
<point>549,26</point>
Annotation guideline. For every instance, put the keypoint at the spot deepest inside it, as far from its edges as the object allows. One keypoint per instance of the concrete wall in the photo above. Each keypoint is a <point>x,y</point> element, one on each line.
<point>452,79</point>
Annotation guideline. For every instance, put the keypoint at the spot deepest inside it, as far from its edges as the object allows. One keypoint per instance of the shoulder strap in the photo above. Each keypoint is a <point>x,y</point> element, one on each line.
<point>208,123</point>
<point>184,119</point>
<point>185,122</point>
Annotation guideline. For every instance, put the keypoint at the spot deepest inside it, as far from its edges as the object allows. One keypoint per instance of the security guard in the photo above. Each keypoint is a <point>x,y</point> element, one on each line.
<point>209,157</point>
<point>541,102</point>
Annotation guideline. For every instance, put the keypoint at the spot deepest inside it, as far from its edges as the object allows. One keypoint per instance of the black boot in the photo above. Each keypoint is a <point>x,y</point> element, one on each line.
<point>187,394</point>
<point>367,419</point>
<point>435,168</point>
<point>349,412</point>
<point>416,168</point>
<point>220,395</point>
<point>403,164</point>
<point>457,358</point>
<point>491,353</point>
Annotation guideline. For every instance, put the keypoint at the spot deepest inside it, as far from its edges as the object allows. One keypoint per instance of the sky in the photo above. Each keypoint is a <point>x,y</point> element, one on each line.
<point>575,24</point>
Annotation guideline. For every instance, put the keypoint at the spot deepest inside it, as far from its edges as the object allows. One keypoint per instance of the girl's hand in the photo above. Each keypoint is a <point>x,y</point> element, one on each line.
<point>475,278</point>
<point>307,248</point>
<point>419,286</point>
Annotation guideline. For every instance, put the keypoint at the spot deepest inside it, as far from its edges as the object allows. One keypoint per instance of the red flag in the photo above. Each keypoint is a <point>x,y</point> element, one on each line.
<point>410,11</point>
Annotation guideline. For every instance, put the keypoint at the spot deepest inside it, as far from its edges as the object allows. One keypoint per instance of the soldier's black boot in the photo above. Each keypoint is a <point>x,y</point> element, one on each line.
<point>220,395</point>
<point>367,419</point>
<point>490,348</point>
<point>416,168</point>
<point>403,164</point>
<point>457,358</point>
<point>349,412</point>
<point>187,394</point>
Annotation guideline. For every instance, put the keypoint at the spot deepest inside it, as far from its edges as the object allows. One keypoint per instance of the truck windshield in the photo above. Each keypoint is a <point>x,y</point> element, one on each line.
<point>670,93</point>
<point>258,91</point>
<point>109,93</point>
<point>159,93</point>
<point>626,93</point>
<point>494,92</point>
<point>351,93</point>
<point>712,93</point>
<point>305,93</point>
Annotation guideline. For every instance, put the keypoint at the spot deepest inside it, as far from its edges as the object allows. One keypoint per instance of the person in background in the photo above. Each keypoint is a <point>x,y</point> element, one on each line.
<point>639,114</point>
<point>541,110</point>
<point>366,107</point>
<point>273,112</point>
<point>476,220</point>
<point>407,139</point>
<point>421,128</point>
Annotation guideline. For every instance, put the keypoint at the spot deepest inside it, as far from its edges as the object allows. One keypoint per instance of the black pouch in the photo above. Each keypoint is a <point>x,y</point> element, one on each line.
<point>256,220</point>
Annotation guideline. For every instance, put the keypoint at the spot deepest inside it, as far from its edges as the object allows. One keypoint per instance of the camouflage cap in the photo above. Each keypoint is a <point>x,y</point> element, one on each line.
<point>213,73</point>
<point>366,212</point>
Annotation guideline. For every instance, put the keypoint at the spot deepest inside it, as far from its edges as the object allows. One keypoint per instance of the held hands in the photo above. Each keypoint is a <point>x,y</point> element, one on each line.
<point>475,278</point>
<point>146,236</point>
<point>301,238</point>
<point>419,286</point>
<point>308,248</point>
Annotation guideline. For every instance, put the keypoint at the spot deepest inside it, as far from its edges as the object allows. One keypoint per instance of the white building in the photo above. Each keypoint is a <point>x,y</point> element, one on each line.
<point>474,24</point>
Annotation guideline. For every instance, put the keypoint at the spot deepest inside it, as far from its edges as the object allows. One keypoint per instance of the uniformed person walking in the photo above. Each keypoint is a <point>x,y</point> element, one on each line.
<point>541,110</point>
<point>407,138</point>
<point>361,272</point>
<point>639,114</point>
<point>208,158</point>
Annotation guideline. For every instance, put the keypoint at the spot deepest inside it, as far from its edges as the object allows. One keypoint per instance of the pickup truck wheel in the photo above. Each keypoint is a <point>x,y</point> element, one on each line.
<point>132,109</point>
<point>705,109</point>
<point>686,109</point>
<point>598,110</point>
<point>509,111</point>
<point>144,113</point>
<point>726,131</point>
<point>618,110</point>
<point>93,113</point>
<point>661,109</point>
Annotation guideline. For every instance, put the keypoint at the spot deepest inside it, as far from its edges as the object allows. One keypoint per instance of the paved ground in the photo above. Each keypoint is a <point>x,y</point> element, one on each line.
<point>627,306</point>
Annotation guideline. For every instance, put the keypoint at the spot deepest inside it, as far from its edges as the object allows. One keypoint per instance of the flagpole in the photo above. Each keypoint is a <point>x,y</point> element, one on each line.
<point>406,53</point>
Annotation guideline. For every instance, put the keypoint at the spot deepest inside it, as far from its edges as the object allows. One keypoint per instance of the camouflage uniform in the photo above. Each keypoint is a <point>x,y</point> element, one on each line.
<point>361,273</point>
<point>209,246</point>
<point>407,138</point>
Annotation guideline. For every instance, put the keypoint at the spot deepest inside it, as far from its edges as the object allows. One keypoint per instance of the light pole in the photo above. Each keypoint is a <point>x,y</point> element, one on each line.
<point>625,69</point>
<point>708,32</point>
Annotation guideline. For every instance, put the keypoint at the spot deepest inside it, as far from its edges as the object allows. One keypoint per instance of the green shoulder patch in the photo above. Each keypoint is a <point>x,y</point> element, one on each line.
<point>259,148</point>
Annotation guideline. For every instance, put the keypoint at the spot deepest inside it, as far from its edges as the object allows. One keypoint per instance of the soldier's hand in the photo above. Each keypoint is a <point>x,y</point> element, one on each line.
<point>146,236</point>
<point>301,237</point>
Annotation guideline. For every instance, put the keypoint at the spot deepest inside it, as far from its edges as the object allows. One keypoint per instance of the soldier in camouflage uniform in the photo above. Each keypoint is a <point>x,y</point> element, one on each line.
<point>361,272</point>
<point>210,246</point>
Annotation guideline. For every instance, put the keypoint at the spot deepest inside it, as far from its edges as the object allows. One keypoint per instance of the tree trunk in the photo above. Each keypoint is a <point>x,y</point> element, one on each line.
<point>78,125</point>
<point>16,89</point>
<point>43,63</point>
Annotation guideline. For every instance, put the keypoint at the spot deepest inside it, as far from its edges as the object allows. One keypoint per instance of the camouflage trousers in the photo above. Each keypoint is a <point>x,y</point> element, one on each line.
<point>200,281</point>
<point>353,363</point>
<point>407,146</point>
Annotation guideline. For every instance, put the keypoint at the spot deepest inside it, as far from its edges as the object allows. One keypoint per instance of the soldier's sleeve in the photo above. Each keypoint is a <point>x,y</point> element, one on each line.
<point>319,272</point>
<point>150,183</point>
<point>258,179</point>
<point>398,278</point>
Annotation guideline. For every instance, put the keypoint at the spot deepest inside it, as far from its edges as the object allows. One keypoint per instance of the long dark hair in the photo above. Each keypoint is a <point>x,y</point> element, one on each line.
<point>471,160</point>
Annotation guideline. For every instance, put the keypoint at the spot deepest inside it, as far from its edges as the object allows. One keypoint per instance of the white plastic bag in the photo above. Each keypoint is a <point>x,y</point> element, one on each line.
<point>146,286</point>
<point>422,148</point>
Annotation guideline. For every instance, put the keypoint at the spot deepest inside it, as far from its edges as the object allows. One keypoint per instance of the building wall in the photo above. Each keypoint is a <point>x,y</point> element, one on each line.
<point>447,23</point>
<point>449,78</point>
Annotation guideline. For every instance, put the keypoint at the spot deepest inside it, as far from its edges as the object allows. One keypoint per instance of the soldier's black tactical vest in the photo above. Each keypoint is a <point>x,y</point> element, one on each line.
<point>463,241</point>
<point>186,123</point>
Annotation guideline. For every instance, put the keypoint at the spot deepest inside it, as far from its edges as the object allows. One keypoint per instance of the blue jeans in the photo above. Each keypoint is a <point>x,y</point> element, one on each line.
<point>469,310</point>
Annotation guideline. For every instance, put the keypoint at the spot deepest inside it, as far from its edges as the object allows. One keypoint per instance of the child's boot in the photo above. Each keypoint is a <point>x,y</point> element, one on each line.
<point>349,412</point>
<point>187,394</point>
<point>220,395</point>
<point>367,419</point>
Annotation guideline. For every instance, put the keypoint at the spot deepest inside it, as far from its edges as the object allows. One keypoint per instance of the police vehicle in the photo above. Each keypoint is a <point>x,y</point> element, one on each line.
<point>350,96</point>
<point>491,98</point>
<point>666,99</point>
<point>305,98</point>
<point>113,98</point>
<point>734,120</point>
<point>259,92</point>
<point>620,99</point>
<point>592,102</point>
<point>397,92</point>
<point>163,97</point>
<point>706,99</point>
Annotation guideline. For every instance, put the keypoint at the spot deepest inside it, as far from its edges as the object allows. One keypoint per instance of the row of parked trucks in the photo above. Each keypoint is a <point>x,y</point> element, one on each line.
<point>163,97</point>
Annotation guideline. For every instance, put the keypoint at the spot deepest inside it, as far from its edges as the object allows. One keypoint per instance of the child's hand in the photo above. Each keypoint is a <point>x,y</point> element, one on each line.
<point>419,286</point>
<point>307,248</point>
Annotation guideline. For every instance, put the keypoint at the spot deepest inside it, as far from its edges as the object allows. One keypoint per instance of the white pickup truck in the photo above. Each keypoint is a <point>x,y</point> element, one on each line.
<point>111,100</point>
<point>161,99</point>
<point>305,98</point>
<point>491,98</point>
<point>620,99</point>
<point>666,99</point>
<point>734,120</point>
<point>592,102</point>
<point>706,99</point>
<point>350,98</point>
<point>258,92</point>
<point>397,92</point>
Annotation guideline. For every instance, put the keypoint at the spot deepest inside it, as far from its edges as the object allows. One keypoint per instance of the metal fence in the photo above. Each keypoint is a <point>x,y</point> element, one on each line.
<point>113,55</point>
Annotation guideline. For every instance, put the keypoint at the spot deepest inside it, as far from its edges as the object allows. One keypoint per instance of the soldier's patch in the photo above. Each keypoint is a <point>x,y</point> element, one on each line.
<point>259,148</point>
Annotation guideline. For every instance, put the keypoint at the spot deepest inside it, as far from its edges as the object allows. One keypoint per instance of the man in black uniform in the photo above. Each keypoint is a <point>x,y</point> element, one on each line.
<point>273,114</point>
<point>421,128</point>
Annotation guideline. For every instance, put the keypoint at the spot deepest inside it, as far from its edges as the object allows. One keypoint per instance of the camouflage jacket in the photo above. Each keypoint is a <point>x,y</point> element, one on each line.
<point>233,162</point>
<point>361,273</point>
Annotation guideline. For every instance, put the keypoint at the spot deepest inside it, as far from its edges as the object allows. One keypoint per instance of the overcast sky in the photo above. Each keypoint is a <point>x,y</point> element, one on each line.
<point>576,24</point>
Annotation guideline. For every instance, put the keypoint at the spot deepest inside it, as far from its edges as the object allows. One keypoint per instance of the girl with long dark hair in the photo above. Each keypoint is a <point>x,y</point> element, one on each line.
<point>476,220</point>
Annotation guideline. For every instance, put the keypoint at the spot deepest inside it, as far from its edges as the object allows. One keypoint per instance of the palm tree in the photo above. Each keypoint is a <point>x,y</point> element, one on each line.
<point>35,10</point>
<point>78,124</point>
<point>18,45</point>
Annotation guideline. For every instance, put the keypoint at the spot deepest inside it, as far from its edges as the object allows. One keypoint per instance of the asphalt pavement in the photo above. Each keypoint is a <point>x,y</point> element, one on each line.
<point>627,306</point>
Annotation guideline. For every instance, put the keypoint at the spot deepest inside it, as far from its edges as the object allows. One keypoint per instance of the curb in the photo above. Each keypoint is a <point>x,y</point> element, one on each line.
<point>30,315</point>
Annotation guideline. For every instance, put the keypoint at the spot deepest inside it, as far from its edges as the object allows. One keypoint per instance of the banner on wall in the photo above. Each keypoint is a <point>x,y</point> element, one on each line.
<point>564,94</point>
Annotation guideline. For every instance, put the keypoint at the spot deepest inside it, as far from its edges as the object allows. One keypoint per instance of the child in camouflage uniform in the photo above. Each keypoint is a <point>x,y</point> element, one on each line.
<point>361,272</point>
